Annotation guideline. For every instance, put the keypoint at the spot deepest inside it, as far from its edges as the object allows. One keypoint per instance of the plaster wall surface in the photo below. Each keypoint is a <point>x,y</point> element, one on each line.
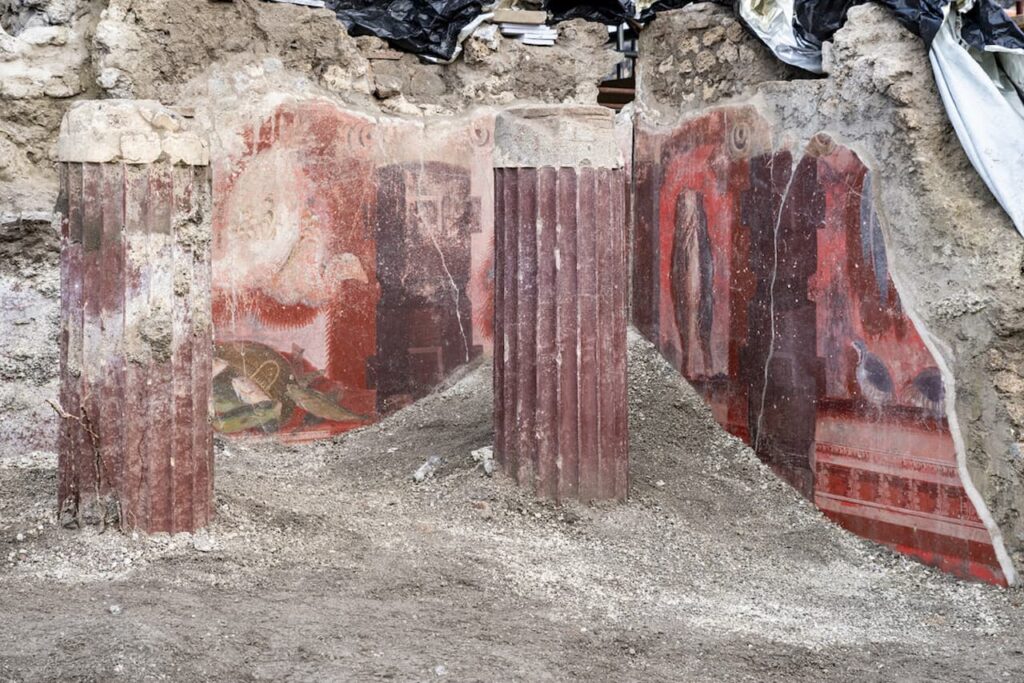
<point>818,213</point>
<point>352,262</point>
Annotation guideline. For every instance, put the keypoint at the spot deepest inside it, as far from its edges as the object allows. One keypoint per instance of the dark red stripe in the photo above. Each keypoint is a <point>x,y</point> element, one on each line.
<point>586,251</point>
<point>567,337</point>
<point>112,406</point>
<point>182,445</point>
<point>619,282</point>
<point>511,231</point>
<point>499,315</point>
<point>161,386</point>
<point>547,409</point>
<point>526,324</point>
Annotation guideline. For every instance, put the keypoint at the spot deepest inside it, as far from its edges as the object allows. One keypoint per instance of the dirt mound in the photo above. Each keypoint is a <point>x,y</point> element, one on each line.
<point>327,561</point>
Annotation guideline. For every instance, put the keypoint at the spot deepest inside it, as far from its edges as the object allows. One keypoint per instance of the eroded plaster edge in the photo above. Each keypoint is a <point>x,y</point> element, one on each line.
<point>941,352</point>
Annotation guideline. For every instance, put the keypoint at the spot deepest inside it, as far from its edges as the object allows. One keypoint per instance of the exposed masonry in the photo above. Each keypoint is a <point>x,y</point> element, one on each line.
<point>216,62</point>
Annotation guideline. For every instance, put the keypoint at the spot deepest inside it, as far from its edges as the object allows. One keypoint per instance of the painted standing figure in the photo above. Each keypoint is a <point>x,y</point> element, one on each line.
<point>692,280</point>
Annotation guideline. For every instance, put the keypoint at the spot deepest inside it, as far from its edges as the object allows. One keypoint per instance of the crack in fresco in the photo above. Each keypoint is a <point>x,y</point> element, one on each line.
<point>326,228</point>
<point>457,293</point>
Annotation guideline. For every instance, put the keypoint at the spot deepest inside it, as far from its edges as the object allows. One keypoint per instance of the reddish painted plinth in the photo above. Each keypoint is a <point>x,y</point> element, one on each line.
<point>560,331</point>
<point>135,443</point>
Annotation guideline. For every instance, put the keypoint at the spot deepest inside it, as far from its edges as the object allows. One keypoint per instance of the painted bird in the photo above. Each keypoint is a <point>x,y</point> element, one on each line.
<point>873,378</point>
<point>928,391</point>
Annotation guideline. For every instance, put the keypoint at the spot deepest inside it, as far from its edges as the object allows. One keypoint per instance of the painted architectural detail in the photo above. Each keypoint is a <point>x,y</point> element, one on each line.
<point>351,266</point>
<point>760,272</point>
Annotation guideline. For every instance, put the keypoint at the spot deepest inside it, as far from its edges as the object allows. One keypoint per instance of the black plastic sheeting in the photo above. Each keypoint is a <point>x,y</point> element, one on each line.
<point>612,11</point>
<point>432,27</point>
<point>817,20</point>
<point>607,12</point>
<point>985,24</point>
<point>426,27</point>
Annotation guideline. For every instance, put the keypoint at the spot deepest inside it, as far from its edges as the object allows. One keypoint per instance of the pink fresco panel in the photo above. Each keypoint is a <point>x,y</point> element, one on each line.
<point>348,280</point>
<point>762,275</point>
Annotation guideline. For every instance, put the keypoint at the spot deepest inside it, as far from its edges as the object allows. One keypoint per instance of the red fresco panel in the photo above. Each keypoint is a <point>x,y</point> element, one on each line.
<point>568,338</point>
<point>752,240</point>
<point>644,248</point>
<point>359,281</point>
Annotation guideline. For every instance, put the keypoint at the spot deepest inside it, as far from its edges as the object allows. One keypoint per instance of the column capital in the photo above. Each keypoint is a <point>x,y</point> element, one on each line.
<point>131,132</point>
<point>557,136</point>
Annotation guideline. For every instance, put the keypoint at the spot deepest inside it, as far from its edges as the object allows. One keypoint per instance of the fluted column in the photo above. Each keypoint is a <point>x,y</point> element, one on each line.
<point>135,443</point>
<point>560,404</point>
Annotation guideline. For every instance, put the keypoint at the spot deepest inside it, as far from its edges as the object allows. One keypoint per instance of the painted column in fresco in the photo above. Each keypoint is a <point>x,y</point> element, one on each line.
<point>135,443</point>
<point>560,303</point>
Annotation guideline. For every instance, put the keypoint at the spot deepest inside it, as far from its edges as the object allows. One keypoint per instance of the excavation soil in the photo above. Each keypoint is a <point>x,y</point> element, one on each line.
<point>327,562</point>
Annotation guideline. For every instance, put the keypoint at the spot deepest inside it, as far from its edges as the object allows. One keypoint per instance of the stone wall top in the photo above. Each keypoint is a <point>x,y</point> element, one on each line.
<point>555,135</point>
<point>128,131</point>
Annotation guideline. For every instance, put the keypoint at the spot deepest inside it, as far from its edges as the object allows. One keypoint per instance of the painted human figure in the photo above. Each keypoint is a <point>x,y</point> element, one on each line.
<point>692,278</point>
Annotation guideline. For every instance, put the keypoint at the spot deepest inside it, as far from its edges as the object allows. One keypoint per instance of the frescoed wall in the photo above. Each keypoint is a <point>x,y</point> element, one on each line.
<point>761,273</point>
<point>351,267</point>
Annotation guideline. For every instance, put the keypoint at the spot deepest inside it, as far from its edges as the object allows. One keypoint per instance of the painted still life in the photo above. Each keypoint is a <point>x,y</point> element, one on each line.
<point>344,287</point>
<point>760,271</point>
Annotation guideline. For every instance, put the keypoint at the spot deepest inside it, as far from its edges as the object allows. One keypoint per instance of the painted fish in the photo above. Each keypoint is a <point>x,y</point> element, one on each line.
<point>248,417</point>
<point>316,403</point>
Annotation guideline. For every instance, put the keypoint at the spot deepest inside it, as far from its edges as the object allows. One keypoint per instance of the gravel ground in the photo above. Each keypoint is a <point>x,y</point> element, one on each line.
<point>326,562</point>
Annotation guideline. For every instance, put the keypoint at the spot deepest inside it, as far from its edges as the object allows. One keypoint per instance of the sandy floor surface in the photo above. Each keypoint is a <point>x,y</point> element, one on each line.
<point>327,562</point>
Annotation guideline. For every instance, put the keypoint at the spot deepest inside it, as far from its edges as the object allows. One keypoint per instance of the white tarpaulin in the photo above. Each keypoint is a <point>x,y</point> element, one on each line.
<point>772,21</point>
<point>981,88</point>
<point>986,111</point>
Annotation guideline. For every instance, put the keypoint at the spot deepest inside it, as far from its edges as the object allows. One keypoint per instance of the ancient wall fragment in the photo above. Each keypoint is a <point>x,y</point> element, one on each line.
<point>842,268</point>
<point>29,312</point>
<point>772,295</point>
<point>351,264</point>
<point>560,303</point>
<point>135,442</point>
